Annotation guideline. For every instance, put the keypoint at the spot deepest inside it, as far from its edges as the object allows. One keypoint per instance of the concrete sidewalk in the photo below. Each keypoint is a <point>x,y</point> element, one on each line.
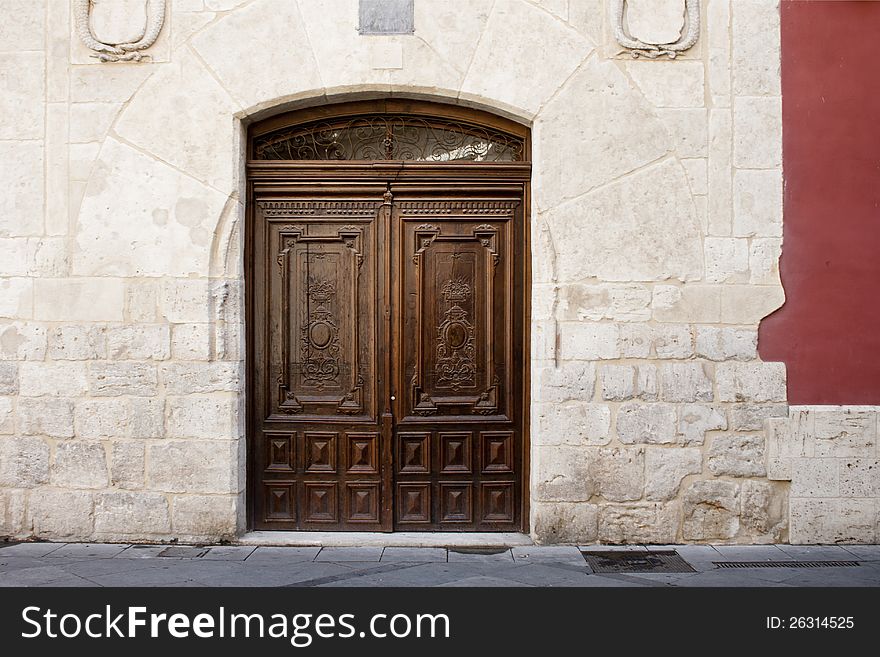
<point>82,564</point>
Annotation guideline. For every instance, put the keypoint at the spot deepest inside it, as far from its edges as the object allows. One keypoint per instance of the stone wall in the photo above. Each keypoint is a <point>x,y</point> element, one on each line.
<point>656,229</point>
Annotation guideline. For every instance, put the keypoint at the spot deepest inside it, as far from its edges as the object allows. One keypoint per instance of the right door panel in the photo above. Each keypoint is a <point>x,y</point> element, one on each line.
<point>458,362</point>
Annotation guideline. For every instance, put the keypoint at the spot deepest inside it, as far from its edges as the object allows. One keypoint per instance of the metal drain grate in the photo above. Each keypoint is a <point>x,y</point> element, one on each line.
<point>478,550</point>
<point>183,552</point>
<point>637,561</point>
<point>785,564</point>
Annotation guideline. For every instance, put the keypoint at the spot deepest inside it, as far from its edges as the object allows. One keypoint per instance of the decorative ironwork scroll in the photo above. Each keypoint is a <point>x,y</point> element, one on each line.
<point>390,137</point>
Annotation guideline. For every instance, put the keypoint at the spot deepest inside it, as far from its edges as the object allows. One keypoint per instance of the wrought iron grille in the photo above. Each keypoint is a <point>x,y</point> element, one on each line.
<point>390,137</point>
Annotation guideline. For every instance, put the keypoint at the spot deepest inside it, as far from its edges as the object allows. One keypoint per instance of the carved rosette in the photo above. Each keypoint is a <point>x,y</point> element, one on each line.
<point>108,47</point>
<point>638,48</point>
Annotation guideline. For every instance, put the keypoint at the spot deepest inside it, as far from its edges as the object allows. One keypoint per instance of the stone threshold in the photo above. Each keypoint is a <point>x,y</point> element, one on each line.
<point>381,539</point>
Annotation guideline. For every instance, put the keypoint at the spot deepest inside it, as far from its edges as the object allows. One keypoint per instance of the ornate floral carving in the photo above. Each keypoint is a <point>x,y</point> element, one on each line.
<point>154,19</point>
<point>456,365</point>
<point>319,337</point>
<point>639,48</point>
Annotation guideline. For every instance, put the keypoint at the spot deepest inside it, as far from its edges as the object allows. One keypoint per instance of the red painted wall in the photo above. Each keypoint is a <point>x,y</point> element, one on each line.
<point>828,331</point>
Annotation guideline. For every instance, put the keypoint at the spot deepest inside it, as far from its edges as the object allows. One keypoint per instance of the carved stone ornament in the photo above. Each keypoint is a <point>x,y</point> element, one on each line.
<point>119,30</point>
<point>651,48</point>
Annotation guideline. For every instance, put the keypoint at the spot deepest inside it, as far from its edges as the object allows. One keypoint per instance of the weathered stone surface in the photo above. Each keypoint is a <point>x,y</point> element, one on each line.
<point>55,379</point>
<point>648,240</point>
<point>655,21</point>
<point>24,462</point>
<point>186,300</point>
<point>21,93</point>
<point>137,514</point>
<point>7,416</point>
<point>689,128</point>
<point>21,188</point>
<point>191,341</point>
<point>745,382</point>
<point>212,516</point>
<point>22,341</point>
<point>635,340</point>
<point>618,382</point>
<point>756,58</point>
<point>665,468</point>
<point>673,341</point>
<point>572,423</point>
<point>646,423</point>
<point>638,523</point>
<point>737,455</point>
<point>139,342</point>
<point>751,417</point>
<point>711,511</point>
<point>12,513</point>
<point>127,465</point>
<point>727,260</point>
<point>562,522</point>
<point>76,342</point>
<point>859,477</point>
<point>8,378</point>
<point>669,86</point>
<point>191,466</point>
<point>61,514</point>
<point>45,416</point>
<point>833,521</point>
<point>815,477</point>
<point>686,382</point>
<point>647,383</point>
<point>694,420</point>
<point>186,378</point>
<point>147,417</point>
<point>765,510</point>
<point>724,343</point>
<point>111,379</point>
<point>202,416</point>
<point>563,474</point>
<point>749,304</point>
<point>170,219</point>
<point>619,473</point>
<point>624,303</point>
<point>588,340</point>
<point>102,418</point>
<point>764,260</point>
<point>80,299</point>
<point>80,464</point>
<point>844,432</point>
<point>757,128</point>
<point>757,203</point>
<point>571,381</point>
<point>690,303</point>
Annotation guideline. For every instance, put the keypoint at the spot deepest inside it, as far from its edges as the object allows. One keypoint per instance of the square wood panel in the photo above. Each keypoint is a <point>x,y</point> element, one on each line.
<point>320,502</point>
<point>280,452</point>
<point>414,503</point>
<point>497,501</point>
<point>497,451</point>
<point>320,451</point>
<point>279,501</point>
<point>362,453</point>
<point>362,502</point>
<point>414,453</point>
<point>455,503</point>
<point>455,452</point>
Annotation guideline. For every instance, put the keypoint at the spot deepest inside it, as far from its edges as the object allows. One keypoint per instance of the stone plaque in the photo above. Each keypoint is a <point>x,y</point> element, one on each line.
<point>387,17</point>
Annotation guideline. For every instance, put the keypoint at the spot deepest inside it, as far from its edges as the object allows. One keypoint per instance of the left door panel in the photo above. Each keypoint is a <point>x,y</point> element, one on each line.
<point>317,380</point>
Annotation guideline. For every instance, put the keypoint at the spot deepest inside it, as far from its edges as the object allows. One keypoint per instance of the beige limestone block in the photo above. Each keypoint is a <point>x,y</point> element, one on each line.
<point>618,382</point>
<point>833,521</point>
<point>127,465</point>
<point>727,260</point>
<point>638,523</point>
<point>136,514</point>
<point>223,5</point>
<point>22,88</point>
<point>106,84</point>
<point>686,382</point>
<point>765,510</point>
<point>187,24</point>
<point>573,155</point>
<point>212,516</point>
<point>16,298</point>
<point>518,41</point>
<point>141,300</point>
<point>859,477</point>
<point>673,341</point>
<point>79,464</point>
<point>14,256</point>
<point>688,303</point>
<point>188,378</point>
<point>102,418</point>
<point>749,304</point>
<point>23,25</point>
<point>595,302</point>
<point>452,29</point>
<point>718,46</point>
<point>59,514</point>
<point>141,217</point>
<point>750,417</point>
<point>90,122</point>
<point>147,417</point>
<point>655,21</point>
<point>572,423</point>
<point>52,379</point>
<point>563,474</point>
<point>79,299</point>
<point>191,466</point>
<point>711,510</point>
<point>655,234</point>
<point>21,189</point>
<point>588,340</point>
<point>191,341</point>
<point>282,66</point>
<point>689,128</point>
<point>757,203</point>
<point>13,508</point>
<point>721,343</point>
<point>756,47</point>
<point>22,341</point>
<point>647,383</point>
<point>559,522</point>
<point>570,381</point>
<point>192,128</point>
<point>588,16</point>
<point>203,416</point>
<point>666,468</point>
<point>845,432</point>
<point>7,416</point>
<point>185,300</point>
<point>720,162</point>
<point>24,462</point>
<point>764,261</point>
<point>757,132</point>
<point>646,423</point>
<point>8,378</point>
<point>113,379</point>
<point>77,342</point>
<point>48,257</point>
<point>737,455</point>
<point>139,342</point>
<point>635,340</point>
<point>619,473</point>
<point>694,420</point>
<point>680,85</point>
<point>743,382</point>
<point>45,416</point>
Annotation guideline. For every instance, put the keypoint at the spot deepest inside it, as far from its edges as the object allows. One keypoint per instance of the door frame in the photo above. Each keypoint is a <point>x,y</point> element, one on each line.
<point>340,176</point>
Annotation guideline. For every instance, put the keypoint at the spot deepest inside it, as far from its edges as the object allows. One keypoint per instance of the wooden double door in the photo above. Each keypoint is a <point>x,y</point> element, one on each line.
<point>387,365</point>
